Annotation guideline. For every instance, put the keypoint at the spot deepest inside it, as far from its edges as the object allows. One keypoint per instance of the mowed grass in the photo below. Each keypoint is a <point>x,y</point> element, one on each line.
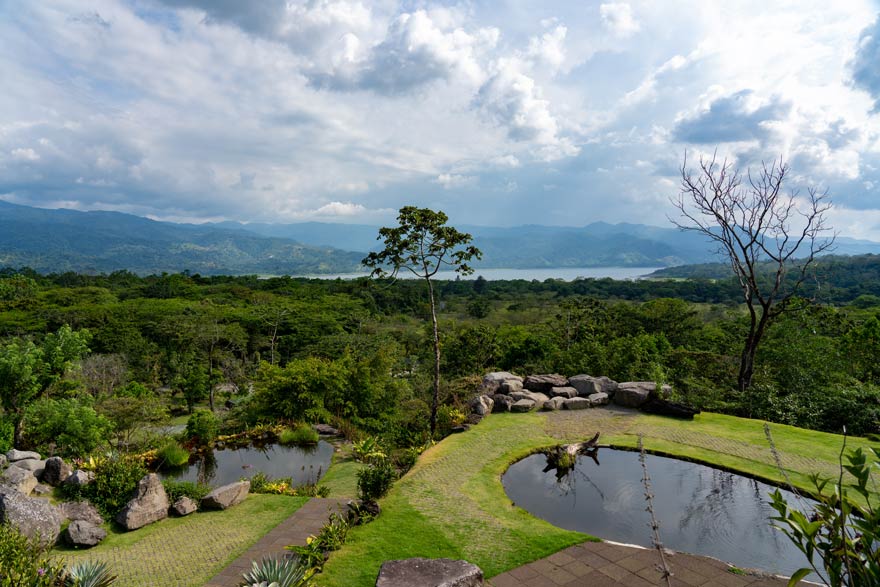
<point>188,551</point>
<point>452,503</point>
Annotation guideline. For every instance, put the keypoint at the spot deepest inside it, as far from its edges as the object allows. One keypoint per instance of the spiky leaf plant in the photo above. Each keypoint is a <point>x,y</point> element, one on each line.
<point>276,572</point>
<point>89,574</point>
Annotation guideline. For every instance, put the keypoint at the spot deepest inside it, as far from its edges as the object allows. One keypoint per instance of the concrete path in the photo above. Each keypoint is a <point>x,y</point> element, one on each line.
<point>306,521</point>
<point>602,564</point>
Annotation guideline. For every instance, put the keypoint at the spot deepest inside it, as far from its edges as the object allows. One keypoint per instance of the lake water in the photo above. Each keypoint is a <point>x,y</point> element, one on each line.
<point>494,274</point>
<point>701,510</point>
<point>219,467</point>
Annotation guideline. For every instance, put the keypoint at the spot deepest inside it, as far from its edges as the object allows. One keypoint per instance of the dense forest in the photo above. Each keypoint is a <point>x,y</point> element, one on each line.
<point>357,352</point>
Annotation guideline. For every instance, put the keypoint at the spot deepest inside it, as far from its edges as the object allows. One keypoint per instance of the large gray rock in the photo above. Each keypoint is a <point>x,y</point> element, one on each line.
<point>502,402</point>
<point>587,385</point>
<point>576,403</point>
<point>82,534</point>
<point>544,383</point>
<point>553,404</point>
<point>226,496</point>
<point>523,405</point>
<point>80,478</point>
<point>34,517</point>
<point>184,506</point>
<point>538,398</point>
<point>18,479</point>
<point>21,455</point>
<point>81,510</point>
<point>3,461</point>
<point>632,394</point>
<point>427,572</point>
<point>510,386</point>
<point>482,405</point>
<point>148,504</point>
<point>56,471</point>
<point>493,381</point>
<point>33,465</point>
<point>598,399</point>
<point>41,490</point>
<point>563,392</point>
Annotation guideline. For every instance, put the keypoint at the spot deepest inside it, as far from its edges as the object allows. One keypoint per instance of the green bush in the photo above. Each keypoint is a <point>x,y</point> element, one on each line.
<point>7,430</point>
<point>172,455</point>
<point>25,562</point>
<point>65,427</point>
<point>115,480</point>
<point>177,489</point>
<point>301,435</point>
<point>202,427</point>
<point>375,480</point>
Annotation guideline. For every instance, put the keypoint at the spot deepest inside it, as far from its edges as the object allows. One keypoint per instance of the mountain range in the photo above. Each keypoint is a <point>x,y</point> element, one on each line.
<point>57,240</point>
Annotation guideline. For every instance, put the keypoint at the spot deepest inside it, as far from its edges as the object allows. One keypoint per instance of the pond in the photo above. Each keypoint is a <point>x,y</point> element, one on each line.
<point>701,510</point>
<point>219,467</point>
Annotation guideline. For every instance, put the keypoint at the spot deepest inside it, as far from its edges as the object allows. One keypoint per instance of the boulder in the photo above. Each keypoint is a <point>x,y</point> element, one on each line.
<point>538,398</point>
<point>563,392</point>
<point>493,381</point>
<point>81,510</point>
<point>79,478</point>
<point>544,383</point>
<point>553,404</point>
<point>633,394</point>
<point>3,461</point>
<point>41,490</point>
<point>33,465</point>
<point>148,504</point>
<point>576,403</point>
<point>587,385</point>
<point>226,496</point>
<point>664,407</point>
<point>326,430</point>
<point>21,455</point>
<point>56,471</point>
<point>510,386</point>
<point>184,506</point>
<point>523,405</point>
<point>426,572</point>
<point>34,517</point>
<point>361,512</point>
<point>482,405</point>
<point>598,399</point>
<point>502,402</point>
<point>82,534</point>
<point>18,479</point>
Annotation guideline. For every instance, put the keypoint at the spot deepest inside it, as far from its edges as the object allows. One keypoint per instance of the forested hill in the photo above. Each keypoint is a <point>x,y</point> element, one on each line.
<point>53,241</point>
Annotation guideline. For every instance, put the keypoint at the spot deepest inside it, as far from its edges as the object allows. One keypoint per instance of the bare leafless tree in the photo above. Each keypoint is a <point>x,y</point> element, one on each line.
<point>770,238</point>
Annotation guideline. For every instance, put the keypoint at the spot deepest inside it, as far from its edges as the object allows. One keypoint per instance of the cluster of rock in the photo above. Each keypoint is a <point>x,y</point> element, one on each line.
<point>505,392</point>
<point>27,477</point>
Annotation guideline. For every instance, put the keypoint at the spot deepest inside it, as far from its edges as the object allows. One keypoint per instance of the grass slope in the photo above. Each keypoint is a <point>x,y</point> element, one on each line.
<point>452,503</point>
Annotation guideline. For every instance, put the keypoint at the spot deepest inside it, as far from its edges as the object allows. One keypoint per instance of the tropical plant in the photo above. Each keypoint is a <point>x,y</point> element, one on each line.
<point>24,562</point>
<point>368,449</point>
<point>285,572</point>
<point>116,477</point>
<point>331,537</point>
<point>375,480</point>
<point>89,574</point>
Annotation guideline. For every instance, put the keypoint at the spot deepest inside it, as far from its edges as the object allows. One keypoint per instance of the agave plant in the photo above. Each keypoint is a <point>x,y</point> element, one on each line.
<point>272,572</point>
<point>89,574</point>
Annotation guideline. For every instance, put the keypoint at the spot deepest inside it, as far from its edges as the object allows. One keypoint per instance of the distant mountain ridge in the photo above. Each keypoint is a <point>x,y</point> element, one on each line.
<point>52,241</point>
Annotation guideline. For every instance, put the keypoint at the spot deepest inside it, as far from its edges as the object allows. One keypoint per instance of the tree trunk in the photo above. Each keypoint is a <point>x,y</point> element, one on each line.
<point>435,404</point>
<point>747,361</point>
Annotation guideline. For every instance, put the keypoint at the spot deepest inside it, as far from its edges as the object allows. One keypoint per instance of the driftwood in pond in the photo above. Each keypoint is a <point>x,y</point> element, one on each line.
<point>562,457</point>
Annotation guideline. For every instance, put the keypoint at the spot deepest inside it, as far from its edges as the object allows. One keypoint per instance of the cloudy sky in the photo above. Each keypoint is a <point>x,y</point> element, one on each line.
<point>499,113</point>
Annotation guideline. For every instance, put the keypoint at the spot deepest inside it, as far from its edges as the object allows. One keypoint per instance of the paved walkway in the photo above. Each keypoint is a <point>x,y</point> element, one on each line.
<point>602,564</point>
<point>305,522</point>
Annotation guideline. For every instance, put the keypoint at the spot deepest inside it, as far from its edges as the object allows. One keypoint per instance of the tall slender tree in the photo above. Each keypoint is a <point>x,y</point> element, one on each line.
<point>422,244</point>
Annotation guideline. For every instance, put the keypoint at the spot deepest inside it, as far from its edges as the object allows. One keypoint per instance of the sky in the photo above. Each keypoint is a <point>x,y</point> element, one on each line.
<point>498,113</point>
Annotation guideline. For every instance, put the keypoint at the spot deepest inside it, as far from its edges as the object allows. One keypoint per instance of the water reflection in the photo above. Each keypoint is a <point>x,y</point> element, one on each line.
<point>701,510</point>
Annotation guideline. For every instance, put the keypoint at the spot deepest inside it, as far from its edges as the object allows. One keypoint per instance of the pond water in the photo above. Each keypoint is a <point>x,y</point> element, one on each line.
<point>701,510</point>
<point>303,464</point>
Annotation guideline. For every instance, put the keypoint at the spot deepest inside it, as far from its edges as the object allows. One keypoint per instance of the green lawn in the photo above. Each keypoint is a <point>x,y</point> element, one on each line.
<point>188,551</point>
<point>452,503</point>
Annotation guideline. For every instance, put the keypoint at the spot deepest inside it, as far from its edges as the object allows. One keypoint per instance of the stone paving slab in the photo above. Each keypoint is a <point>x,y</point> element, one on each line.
<point>306,521</point>
<point>604,564</point>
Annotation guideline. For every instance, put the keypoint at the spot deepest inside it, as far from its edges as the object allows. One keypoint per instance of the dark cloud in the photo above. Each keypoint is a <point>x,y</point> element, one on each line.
<point>866,64</point>
<point>731,119</point>
<point>258,18</point>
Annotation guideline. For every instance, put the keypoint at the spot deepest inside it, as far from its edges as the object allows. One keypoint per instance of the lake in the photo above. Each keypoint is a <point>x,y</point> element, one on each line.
<point>496,274</point>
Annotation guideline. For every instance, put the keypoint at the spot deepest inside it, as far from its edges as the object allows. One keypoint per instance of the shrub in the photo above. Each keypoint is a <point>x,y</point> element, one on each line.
<point>89,574</point>
<point>302,435</point>
<point>287,572</point>
<point>115,480</point>
<point>177,489</point>
<point>263,483</point>
<point>405,459</point>
<point>375,480</point>
<point>331,537</point>
<point>7,430</point>
<point>368,450</point>
<point>202,427</point>
<point>66,427</point>
<point>25,562</point>
<point>172,455</point>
